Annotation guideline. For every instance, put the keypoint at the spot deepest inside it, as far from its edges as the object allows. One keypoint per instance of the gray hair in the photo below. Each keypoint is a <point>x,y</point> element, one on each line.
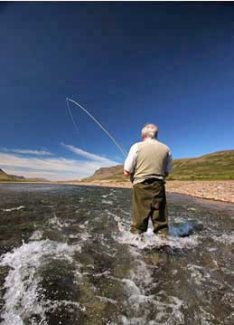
<point>150,130</point>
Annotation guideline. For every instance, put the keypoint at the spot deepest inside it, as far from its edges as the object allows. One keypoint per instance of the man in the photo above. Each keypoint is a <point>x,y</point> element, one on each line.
<point>148,164</point>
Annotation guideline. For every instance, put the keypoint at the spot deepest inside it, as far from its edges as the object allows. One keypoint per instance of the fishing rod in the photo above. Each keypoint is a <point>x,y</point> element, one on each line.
<point>69,100</point>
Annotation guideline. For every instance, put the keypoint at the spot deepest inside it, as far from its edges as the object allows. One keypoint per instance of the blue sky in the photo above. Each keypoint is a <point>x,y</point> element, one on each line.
<point>128,64</point>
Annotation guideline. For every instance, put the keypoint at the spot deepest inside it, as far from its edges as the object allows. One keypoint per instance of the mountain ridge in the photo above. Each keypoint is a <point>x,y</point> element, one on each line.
<point>4,177</point>
<point>212,166</point>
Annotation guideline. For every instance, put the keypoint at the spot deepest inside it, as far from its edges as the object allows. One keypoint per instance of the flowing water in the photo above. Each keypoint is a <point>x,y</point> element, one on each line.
<point>67,257</point>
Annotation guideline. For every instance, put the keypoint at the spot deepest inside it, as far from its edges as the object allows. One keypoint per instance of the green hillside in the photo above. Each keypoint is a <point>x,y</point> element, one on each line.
<point>215,166</point>
<point>6,177</point>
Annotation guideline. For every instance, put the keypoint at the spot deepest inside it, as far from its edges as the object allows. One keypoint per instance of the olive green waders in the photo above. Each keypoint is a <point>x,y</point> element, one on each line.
<point>149,201</point>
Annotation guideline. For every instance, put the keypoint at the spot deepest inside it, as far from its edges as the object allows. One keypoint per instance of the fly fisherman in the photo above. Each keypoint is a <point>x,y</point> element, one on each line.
<point>148,164</point>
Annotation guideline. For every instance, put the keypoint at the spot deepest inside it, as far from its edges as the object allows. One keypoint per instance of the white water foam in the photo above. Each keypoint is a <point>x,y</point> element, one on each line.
<point>140,303</point>
<point>56,223</point>
<point>167,310</point>
<point>206,317</point>
<point>85,224</point>
<point>14,209</point>
<point>22,297</point>
<point>225,238</point>
<point>149,239</point>
<point>107,202</point>
<point>191,209</point>
<point>198,273</point>
<point>36,235</point>
<point>107,300</point>
<point>83,236</point>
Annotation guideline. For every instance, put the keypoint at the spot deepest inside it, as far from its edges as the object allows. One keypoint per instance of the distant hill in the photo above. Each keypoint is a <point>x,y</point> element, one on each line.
<point>114,173</point>
<point>215,166</point>
<point>4,177</point>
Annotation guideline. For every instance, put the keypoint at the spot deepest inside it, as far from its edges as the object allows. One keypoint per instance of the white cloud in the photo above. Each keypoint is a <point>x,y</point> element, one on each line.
<point>88,155</point>
<point>29,152</point>
<point>56,168</point>
<point>31,173</point>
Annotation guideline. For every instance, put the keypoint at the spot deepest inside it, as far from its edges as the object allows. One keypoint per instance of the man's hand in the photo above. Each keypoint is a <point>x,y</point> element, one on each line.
<point>130,175</point>
<point>126,173</point>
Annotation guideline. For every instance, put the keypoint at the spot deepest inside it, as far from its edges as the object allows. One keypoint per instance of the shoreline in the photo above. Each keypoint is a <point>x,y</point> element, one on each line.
<point>222,191</point>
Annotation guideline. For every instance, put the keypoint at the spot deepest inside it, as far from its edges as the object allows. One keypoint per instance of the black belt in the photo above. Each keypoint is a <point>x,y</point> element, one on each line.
<point>152,180</point>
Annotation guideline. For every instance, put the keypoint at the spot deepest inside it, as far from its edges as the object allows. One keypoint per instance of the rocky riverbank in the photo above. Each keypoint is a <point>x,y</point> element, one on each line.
<point>213,190</point>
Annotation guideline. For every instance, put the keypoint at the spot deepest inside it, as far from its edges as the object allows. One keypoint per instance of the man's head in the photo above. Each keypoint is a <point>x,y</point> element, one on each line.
<point>149,131</point>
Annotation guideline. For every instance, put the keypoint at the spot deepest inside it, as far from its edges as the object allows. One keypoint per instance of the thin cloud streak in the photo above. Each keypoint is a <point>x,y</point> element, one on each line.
<point>29,152</point>
<point>88,155</point>
<point>30,174</point>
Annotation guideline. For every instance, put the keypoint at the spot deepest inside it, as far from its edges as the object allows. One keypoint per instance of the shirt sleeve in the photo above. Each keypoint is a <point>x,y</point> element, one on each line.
<point>169,163</point>
<point>130,161</point>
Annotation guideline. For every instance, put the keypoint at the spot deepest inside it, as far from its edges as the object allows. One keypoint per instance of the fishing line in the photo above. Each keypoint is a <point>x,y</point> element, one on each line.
<point>71,116</point>
<point>68,100</point>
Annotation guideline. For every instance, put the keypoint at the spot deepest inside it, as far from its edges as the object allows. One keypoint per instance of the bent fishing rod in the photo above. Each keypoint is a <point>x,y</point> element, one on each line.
<point>69,100</point>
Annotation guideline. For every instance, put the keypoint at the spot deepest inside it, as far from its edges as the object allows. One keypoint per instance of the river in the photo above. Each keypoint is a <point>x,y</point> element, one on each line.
<point>67,257</point>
